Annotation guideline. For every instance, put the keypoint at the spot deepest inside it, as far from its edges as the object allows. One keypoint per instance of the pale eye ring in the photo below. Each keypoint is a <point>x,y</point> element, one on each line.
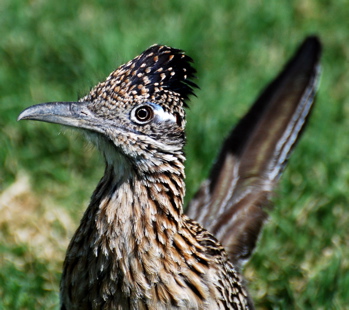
<point>142,115</point>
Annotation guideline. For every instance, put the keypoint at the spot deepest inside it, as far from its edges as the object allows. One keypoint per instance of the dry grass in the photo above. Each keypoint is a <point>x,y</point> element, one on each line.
<point>39,225</point>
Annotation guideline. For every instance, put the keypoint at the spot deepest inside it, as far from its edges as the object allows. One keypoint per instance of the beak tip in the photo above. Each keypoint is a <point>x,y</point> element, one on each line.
<point>23,115</point>
<point>20,117</point>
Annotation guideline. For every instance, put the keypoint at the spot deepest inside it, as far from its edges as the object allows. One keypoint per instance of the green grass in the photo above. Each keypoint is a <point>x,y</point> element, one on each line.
<point>52,51</point>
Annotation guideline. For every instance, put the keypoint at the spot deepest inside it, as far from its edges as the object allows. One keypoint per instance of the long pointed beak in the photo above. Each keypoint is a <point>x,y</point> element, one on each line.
<point>74,114</point>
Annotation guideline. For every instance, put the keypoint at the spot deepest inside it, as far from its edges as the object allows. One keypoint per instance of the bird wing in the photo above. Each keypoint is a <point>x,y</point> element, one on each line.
<point>232,202</point>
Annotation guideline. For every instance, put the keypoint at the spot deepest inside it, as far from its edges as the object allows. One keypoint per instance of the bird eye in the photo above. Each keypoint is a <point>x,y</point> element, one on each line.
<point>143,114</point>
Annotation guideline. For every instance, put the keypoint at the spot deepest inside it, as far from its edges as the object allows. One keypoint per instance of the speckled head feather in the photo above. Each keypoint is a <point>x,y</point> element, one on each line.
<point>160,74</point>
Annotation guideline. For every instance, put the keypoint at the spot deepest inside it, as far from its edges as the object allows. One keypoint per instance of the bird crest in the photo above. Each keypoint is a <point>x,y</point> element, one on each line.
<point>160,74</point>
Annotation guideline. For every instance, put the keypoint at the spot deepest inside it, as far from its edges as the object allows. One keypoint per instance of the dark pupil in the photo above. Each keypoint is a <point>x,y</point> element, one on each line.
<point>143,114</point>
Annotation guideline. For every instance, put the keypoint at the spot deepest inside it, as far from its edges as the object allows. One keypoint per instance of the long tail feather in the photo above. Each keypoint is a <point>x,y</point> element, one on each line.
<point>231,202</point>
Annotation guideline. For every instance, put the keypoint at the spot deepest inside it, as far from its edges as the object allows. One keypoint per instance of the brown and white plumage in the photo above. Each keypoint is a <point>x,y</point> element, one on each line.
<point>134,248</point>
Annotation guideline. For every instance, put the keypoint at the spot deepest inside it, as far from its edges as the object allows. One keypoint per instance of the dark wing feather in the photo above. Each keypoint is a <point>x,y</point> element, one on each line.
<point>231,202</point>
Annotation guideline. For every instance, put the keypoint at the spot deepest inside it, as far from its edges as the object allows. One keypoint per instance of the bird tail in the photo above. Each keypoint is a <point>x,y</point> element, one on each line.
<point>231,203</point>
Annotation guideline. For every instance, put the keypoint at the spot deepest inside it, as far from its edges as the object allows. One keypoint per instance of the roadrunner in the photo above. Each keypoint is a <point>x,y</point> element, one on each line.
<point>135,248</point>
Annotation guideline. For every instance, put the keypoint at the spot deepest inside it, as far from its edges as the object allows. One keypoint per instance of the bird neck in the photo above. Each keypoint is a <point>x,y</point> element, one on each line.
<point>133,205</point>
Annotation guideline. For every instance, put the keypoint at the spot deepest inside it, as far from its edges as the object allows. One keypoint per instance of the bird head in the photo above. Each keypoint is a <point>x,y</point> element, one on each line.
<point>138,111</point>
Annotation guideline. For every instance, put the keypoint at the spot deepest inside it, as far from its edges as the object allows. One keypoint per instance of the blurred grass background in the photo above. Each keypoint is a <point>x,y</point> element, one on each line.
<point>57,50</point>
